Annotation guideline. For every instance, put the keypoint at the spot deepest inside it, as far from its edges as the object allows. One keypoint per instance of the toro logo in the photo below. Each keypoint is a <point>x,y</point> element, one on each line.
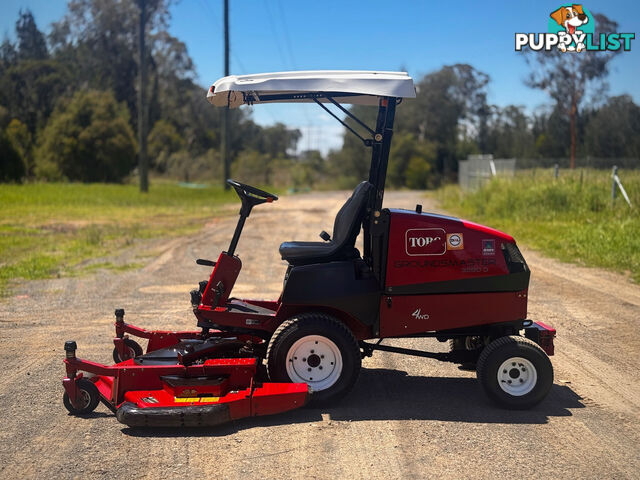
<point>425,241</point>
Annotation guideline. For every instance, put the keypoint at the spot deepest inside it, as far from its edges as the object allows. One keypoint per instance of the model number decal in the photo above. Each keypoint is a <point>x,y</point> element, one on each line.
<point>445,263</point>
<point>425,241</point>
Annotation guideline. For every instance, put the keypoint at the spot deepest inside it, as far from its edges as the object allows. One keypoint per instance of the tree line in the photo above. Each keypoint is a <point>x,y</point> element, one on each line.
<point>450,119</point>
<point>68,107</point>
<point>68,111</point>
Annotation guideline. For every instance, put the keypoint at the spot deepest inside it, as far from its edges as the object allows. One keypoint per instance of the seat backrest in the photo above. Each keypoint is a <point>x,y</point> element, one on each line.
<point>347,224</point>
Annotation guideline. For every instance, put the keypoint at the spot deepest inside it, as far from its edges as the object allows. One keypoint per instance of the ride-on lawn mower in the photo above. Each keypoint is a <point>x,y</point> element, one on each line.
<point>419,275</point>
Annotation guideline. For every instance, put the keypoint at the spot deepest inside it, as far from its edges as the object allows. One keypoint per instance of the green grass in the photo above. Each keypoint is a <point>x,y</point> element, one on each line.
<point>49,230</point>
<point>570,218</point>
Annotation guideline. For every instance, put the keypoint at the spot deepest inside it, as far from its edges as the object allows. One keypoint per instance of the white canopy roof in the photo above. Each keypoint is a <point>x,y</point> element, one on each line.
<point>356,87</point>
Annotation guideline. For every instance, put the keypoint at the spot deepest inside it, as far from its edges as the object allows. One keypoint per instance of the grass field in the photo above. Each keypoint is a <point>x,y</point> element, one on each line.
<point>51,229</point>
<point>571,218</point>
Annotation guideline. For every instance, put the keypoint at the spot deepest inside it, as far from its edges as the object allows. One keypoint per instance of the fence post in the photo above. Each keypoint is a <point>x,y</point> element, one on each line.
<point>613,184</point>
<point>616,181</point>
<point>555,170</point>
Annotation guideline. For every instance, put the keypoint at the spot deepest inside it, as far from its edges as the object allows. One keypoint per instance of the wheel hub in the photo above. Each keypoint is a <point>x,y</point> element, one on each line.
<point>315,360</point>
<point>517,376</point>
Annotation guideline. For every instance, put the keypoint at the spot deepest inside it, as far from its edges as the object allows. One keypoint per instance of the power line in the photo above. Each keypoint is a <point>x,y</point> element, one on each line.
<point>286,35</point>
<point>218,20</point>
<point>274,31</point>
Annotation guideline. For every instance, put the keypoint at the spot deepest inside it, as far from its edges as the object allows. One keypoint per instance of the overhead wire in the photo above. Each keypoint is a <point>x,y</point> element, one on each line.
<point>289,49</point>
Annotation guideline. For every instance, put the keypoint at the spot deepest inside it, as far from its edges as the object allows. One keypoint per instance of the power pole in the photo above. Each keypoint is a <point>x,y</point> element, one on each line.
<point>143,165</point>
<point>226,161</point>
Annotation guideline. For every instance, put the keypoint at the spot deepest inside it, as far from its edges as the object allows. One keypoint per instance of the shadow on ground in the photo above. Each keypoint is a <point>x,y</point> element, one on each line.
<point>382,394</point>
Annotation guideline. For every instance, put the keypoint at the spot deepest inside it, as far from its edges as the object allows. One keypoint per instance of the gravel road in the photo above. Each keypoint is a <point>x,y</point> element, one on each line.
<point>406,417</point>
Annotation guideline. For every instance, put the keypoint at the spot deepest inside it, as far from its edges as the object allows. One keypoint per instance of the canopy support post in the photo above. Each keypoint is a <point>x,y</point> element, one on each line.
<point>373,224</point>
<point>367,141</point>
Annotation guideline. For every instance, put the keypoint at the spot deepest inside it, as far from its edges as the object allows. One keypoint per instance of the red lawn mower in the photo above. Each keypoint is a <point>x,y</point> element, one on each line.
<point>419,275</point>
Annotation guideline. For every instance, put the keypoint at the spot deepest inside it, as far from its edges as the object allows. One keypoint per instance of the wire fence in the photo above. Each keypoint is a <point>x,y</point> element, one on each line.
<point>600,163</point>
<point>479,169</point>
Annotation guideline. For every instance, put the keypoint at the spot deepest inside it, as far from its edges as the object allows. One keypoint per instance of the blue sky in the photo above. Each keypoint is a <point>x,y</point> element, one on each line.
<point>419,36</point>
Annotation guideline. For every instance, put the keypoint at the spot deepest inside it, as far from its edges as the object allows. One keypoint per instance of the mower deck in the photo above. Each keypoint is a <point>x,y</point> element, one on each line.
<point>154,391</point>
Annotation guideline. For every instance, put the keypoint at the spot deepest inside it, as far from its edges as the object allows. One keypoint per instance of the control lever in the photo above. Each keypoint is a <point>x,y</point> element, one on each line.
<point>208,263</point>
<point>325,236</point>
<point>219,291</point>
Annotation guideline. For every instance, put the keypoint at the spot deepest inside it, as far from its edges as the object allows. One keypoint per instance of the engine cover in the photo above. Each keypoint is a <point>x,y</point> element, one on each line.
<point>444,273</point>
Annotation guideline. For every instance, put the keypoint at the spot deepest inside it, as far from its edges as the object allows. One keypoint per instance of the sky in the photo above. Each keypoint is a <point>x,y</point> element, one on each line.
<point>414,36</point>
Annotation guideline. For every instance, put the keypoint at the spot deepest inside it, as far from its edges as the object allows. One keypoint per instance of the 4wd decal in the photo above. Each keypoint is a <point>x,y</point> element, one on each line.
<point>425,241</point>
<point>420,316</point>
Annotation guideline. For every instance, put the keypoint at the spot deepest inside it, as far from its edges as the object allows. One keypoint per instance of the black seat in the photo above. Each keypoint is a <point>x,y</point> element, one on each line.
<point>345,231</point>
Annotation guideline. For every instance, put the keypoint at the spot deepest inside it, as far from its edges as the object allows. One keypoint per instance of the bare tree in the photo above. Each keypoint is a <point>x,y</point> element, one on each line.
<point>571,77</point>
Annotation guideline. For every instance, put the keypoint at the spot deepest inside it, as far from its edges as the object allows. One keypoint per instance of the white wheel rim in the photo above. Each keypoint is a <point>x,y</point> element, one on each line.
<point>314,360</point>
<point>517,376</point>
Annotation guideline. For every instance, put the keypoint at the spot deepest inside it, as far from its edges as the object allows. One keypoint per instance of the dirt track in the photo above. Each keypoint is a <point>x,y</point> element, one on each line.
<point>407,417</point>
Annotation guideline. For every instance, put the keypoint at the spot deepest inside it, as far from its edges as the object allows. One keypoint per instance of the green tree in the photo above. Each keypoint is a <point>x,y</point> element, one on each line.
<point>252,167</point>
<point>613,129</point>
<point>31,42</point>
<point>30,82</point>
<point>163,141</point>
<point>411,162</point>
<point>18,134</point>
<point>89,140</point>
<point>509,133</point>
<point>12,167</point>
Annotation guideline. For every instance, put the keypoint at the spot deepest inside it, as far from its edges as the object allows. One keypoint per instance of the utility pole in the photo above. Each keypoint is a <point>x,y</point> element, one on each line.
<point>143,165</point>
<point>226,161</point>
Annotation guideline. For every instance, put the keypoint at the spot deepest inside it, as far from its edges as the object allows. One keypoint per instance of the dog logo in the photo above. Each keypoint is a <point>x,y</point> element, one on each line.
<point>570,18</point>
<point>571,28</point>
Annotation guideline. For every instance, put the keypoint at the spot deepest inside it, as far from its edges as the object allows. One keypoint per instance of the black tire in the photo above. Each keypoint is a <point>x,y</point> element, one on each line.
<point>521,387</point>
<point>336,336</point>
<point>89,398</point>
<point>134,348</point>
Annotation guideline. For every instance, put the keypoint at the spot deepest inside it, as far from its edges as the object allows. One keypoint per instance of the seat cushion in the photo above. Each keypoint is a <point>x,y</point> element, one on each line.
<point>302,253</point>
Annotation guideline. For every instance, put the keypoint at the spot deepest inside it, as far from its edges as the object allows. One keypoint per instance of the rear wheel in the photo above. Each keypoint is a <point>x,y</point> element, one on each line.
<point>318,350</point>
<point>515,372</point>
<point>87,399</point>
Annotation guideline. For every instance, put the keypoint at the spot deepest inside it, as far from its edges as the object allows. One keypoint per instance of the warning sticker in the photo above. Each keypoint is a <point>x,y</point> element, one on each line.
<point>488,247</point>
<point>196,399</point>
<point>455,241</point>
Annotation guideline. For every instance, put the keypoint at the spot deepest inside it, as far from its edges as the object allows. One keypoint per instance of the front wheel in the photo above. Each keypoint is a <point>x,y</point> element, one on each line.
<point>133,348</point>
<point>87,399</point>
<point>318,350</point>
<point>515,372</point>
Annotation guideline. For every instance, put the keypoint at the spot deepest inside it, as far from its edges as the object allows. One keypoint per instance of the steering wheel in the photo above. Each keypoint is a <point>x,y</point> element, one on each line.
<point>251,196</point>
<point>242,189</point>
